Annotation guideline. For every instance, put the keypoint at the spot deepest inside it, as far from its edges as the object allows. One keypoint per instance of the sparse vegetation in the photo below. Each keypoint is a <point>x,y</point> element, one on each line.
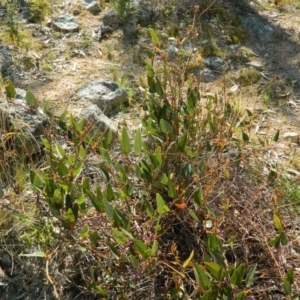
<point>188,205</point>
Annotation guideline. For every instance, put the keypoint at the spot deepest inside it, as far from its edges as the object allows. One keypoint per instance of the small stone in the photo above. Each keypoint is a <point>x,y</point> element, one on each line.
<point>66,23</point>
<point>290,136</point>
<point>255,64</point>
<point>92,6</point>
<point>103,30</point>
<point>129,27</point>
<point>105,93</point>
<point>112,19</point>
<point>215,63</point>
<point>206,75</point>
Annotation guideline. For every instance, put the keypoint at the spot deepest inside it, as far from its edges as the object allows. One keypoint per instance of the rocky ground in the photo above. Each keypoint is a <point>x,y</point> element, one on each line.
<point>249,49</point>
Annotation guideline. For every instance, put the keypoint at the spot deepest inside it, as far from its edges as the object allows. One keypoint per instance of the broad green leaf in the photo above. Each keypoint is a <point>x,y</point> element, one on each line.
<point>69,201</point>
<point>121,218</point>
<point>84,232</point>
<point>10,89</point>
<point>162,208</point>
<point>45,142</point>
<point>158,155</point>
<point>77,168</point>
<point>283,239</point>
<point>277,222</point>
<point>240,296</point>
<point>164,179</point>
<point>182,142</point>
<point>86,184</point>
<point>250,276</point>
<point>58,199</point>
<point>238,275</point>
<point>105,173</point>
<point>276,137</point>
<point>191,153</point>
<point>276,241</point>
<point>186,263</point>
<point>60,151</point>
<point>165,126</point>
<point>290,276</point>
<point>171,188</point>
<point>46,109</point>
<point>193,215</point>
<point>108,139</point>
<point>109,192</point>
<point>138,142</point>
<point>150,71</point>
<point>71,159</point>
<point>125,142</point>
<point>35,254</point>
<point>36,179</point>
<point>158,88</point>
<point>154,37</point>
<point>82,152</point>
<point>142,248</point>
<point>154,248</point>
<point>149,53</point>
<point>226,174</point>
<point>127,233</point>
<point>215,270</point>
<point>214,244</point>
<point>108,209</point>
<point>113,250</point>
<point>105,156</point>
<point>97,201</point>
<point>134,261</point>
<point>201,277</point>
<point>101,291</point>
<point>217,258</point>
<point>94,237</point>
<point>150,210</point>
<point>129,189</point>
<point>80,124</point>
<point>31,100</point>
<point>156,158</point>
<point>287,287</point>
<point>198,197</point>
<point>119,237</point>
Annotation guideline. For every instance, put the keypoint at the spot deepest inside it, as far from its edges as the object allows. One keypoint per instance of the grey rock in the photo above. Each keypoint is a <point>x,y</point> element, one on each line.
<point>255,64</point>
<point>172,51</point>
<point>206,75</point>
<point>29,122</point>
<point>92,6</point>
<point>6,63</point>
<point>257,30</point>
<point>187,46</point>
<point>129,27</point>
<point>143,14</point>
<point>290,136</point>
<point>66,23</point>
<point>104,30</point>
<point>104,93</point>
<point>111,18</point>
<point>100,121</point>
<point>215,63</point>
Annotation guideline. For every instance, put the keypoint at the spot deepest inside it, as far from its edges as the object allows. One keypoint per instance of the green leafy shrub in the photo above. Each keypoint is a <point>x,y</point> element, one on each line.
<point>38,10</point>
<point>124,8</point>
